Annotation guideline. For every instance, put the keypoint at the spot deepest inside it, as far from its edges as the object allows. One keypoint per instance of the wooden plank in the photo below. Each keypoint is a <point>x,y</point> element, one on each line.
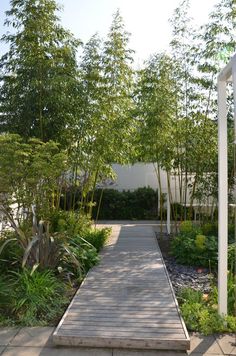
<point>126,301</point>
<point>114,291</point>
<point>171,317</point>
<point>168,317</point>
<point>133,343</point>
<point>126,324</point>
<point>148,322</point>
<point>125,308</point>
<point>103,332</point>
<point>117,327</point>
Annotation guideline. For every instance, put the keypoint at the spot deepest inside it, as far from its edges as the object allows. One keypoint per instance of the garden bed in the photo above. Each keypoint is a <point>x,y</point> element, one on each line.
<point>194,284</point>
<point>38,294</point>
<point>183,276</point>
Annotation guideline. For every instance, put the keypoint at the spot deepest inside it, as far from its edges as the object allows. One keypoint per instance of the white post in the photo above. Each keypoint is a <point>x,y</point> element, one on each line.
<point>168,213</point>
<point>222,198</point>
<point>234,91</point>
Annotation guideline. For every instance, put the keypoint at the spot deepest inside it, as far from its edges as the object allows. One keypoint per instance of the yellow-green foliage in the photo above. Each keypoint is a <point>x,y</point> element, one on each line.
<point>186,226</point>
<point>200,313</point>
<point>200,242</point>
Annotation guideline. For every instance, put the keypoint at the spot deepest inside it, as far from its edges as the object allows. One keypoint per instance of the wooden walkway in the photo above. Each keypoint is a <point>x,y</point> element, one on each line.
<point>127,301</point>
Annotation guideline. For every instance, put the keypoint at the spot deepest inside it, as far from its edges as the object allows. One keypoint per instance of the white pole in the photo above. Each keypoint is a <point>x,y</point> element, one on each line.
<point>222,198</point>
<point>234,91</point>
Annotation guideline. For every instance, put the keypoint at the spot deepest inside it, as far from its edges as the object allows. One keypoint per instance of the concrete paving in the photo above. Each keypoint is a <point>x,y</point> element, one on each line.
<point>37,341</point>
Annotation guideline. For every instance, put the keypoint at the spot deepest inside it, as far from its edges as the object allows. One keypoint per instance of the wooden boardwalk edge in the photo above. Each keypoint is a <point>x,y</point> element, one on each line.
<point>176,301</point>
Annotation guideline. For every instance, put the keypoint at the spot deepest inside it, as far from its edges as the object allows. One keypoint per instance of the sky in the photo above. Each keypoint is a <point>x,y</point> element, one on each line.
<point>146,20</point>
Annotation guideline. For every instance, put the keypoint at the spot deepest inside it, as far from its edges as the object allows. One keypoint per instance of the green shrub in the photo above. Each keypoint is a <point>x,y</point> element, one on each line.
<point>231,233</point>
<point>80,258</point>
<point>72,246</point>
<point>11,253</point>
<point>190,295</point>
<point>37,298</point>
<point>82,252</point>
<point>231,322</point>
<point>191,247</point>
<point>201,314</point>
<point>97,237</point>
<point>5,294</point>
<point>231,257</point>
<point>232,293</point>
<point>209,229</point>
<point>48,244</point>
<point>186,227</point>
<point>190,313</point>
<point>139,204</point>
<point>185,249</point>
<point>213,298</point>
<point>210,322</point>
<point>200,242</point>
<point>71,222</point>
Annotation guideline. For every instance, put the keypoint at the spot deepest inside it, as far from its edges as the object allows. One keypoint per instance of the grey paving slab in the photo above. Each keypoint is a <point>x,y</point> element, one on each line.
<point>227,343</point>
<point>205,354</point>
<point>1,349</point>
<point>204,344</point>
<point>67,351</point>
<point>33,336</point>
<point>7,334</point>
<point>22,351</point>
<point>148,353</point>
<point>139,286</point>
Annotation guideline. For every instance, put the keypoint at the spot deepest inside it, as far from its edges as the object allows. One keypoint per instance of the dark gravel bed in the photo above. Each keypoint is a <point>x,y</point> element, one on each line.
<point>183,276</point>
<point>188,277</point>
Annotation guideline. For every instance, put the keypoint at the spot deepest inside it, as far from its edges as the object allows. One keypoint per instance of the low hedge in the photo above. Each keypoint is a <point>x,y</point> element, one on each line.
<point>140,204</point>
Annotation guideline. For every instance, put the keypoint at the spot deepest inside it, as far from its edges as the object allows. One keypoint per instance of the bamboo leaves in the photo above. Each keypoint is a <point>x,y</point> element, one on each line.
<point>39,72</point>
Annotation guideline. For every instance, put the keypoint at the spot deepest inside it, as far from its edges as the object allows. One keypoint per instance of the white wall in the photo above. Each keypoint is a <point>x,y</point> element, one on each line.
<point>131,177</point>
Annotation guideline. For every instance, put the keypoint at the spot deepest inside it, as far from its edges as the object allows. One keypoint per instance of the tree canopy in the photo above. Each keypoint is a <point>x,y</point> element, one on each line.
<point>38,73</point>
<point>102,110</point>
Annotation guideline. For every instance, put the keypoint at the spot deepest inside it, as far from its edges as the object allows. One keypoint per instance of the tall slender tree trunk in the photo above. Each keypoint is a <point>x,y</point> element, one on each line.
<point>93,190</point>
<point>173,211</point>
<point>185,190</point>
<point>192,195</point>
<point>75,186</point>
<point>158,175</point>
<point>180,179</point>
<point>99,206</point>
<point>40,102</point>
